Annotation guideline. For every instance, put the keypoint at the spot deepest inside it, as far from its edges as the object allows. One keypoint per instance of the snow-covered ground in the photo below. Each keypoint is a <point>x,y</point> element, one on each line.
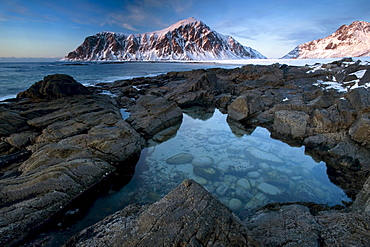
<point>293,62</point>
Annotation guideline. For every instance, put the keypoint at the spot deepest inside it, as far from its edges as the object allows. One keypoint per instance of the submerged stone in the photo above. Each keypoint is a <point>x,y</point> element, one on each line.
<point>180,158</point>
<point>254,174</point>
<point>207,172</point>
<point>235,204</point>
<point>202,161</point>
<point>259,154</point>
<point>243,183</point>
<point>221,190</point>
<point>215,140</point>
<point>269,189</point>
<point>227,165</point>
<point>242,194</point>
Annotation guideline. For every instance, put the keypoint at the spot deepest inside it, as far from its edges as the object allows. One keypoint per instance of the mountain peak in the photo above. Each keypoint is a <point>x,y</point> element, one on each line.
<point>185,22</point>
<point>188,39</point>
<point>348,41</point>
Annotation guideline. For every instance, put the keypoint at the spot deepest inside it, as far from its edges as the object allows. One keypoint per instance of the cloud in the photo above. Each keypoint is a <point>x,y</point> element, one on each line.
<point>235,34</point>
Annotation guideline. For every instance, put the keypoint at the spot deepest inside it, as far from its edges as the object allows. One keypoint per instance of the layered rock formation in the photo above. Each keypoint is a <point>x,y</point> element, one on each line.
<point>53,149</point>
<point>188,39</point>
<point>348,41</point>
<point>188,216</point>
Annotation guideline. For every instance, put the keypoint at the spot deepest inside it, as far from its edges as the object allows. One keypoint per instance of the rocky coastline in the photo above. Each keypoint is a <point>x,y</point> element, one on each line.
<point>59,140</point>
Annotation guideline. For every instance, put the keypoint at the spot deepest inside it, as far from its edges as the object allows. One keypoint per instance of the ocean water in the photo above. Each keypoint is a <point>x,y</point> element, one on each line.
<point>18,76</point>
<point>245,169</point>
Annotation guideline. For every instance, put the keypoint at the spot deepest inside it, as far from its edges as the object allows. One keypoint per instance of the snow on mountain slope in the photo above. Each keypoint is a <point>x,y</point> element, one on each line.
<point>188,39</point>
<point>347,41</point>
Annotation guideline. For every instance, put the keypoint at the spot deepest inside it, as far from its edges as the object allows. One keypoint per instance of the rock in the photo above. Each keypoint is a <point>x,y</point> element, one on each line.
<point>264,166</point>
<point>365,78</point>
<point>215,140</point>
<point>291,123</point>
<point>209,173</point>
<point>253,174</point>
<point>21,140</point>
<point>11,122</point>
<point>242,194</point>
<point>291,224</point>
<point>234,204</point>
<point>75,142</point>
<point>244,183</point>
<point>202,161</point>
<point>233,150</point>
<point>360,130</point>
<point>221,190</point>
<point>238,109</point>
<point>153,114</point>
<point>359,99</point>
<point>200,180</point>
<point>259,154</point>
<point>187,215</point>
<point>234,166</point>
<point>54,87</point>
<point>269,189</point>
<point>181,158</point>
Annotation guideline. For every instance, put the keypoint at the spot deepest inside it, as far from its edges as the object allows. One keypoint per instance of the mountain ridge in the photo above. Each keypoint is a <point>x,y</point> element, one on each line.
<point>188,40</point>
<point>347,41</point>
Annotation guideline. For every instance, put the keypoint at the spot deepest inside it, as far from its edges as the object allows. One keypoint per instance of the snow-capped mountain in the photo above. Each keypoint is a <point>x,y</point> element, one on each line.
<point>347,41</point>
<point>188,39</point>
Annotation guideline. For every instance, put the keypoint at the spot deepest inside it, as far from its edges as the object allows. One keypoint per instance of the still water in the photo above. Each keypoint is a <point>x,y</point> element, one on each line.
<point>245,171</point>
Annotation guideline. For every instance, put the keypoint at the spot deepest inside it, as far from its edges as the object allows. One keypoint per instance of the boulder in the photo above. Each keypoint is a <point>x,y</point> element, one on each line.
<point>54,87</point>
<point>294,225</point>
<point>238,109</point>
<point>153,114</point>
<point>188,216</point>
<point>291,123</point>
<point>11,122</point>
<point>359,99</point>
<point>360,130</point>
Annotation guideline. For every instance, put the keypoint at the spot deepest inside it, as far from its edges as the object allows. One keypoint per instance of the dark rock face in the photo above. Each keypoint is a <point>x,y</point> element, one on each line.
<point>188,216</point>
<point>151,115</point>
<point>295,225</point>
<point>54,87</point>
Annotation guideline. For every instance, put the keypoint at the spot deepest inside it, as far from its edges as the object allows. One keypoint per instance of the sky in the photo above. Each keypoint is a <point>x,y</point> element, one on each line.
<point>48,28</point>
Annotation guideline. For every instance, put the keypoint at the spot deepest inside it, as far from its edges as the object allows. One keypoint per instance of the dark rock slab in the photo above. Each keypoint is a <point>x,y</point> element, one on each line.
<point>188,216</point>
<point>54,87</point>
<point>153,114</point>
<point>289,226</point>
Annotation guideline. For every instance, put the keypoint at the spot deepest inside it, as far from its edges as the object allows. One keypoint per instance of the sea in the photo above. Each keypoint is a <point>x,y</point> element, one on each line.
<point>16,77</point>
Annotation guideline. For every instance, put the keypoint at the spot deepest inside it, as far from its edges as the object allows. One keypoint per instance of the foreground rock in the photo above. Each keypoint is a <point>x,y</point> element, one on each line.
<point>57,150</point>
<point>191,216</point>
<point>188,216</point>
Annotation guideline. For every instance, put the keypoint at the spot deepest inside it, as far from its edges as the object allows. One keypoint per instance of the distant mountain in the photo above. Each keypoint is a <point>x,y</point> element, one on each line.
<point>188,39</point>
<point>347,41</point>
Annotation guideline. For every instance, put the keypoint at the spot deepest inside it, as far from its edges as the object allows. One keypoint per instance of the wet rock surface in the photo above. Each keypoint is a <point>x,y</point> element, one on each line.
<point>187,216</point>
<point>54,146</point>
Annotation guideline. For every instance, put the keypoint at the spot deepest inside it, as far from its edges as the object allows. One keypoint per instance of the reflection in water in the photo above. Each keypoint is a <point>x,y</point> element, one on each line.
<point>244,171</point>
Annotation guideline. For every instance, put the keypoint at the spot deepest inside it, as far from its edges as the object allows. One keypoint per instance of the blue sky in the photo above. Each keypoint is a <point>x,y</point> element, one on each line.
<point>51,28</point>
